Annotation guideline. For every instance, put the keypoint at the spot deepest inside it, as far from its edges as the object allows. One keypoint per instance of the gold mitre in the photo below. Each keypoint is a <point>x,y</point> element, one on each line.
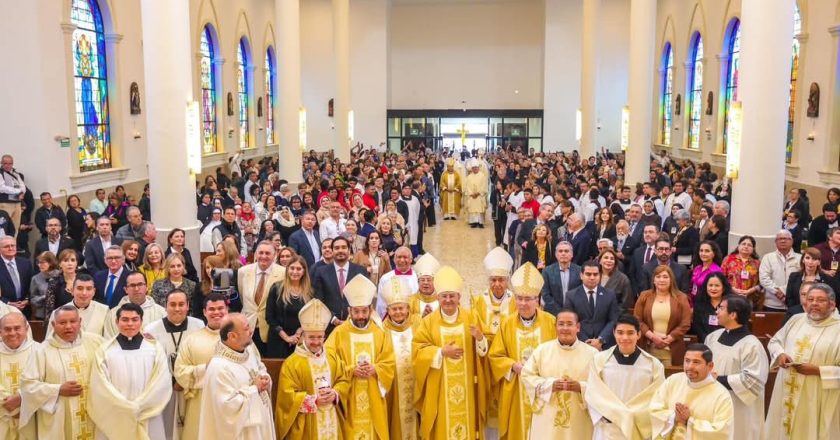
<point>450,162</point>
<point>498,263</point>
<point>527,281</point>
<point>314,316</point>
<point>396,291</point>
<point>426,265</point>
<point>360,291</point>
<point>447,279</point>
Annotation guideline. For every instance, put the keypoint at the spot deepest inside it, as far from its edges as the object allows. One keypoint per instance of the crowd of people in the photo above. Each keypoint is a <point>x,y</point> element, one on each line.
<point>590,292</point>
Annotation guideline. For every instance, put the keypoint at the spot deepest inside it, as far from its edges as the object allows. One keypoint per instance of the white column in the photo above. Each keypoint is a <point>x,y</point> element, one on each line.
<point>764,89</point>
<point>640,93</point>
<point>341,105</point>
<point>589,78</point>
<point>167,66</point>
<point>287,17</point>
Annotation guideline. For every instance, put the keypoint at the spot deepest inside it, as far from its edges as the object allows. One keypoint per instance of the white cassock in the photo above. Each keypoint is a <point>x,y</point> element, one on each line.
<point>560,414</point>
<point>476,207</point>
<point>93,318</point>
<point>130,385</point>
<point>152,312</point>
<point>413,220</point>
<point>708,401</point>
<point>12,363</point>
<point>740,357</point>
<point>618,393</point>
<point>170,337</point>
<point>806,407</point>
<point>231,406</point>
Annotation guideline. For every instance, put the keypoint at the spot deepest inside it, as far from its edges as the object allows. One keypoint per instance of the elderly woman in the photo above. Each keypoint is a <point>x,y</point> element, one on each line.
<point>664,315</point>
<point>684,241</point>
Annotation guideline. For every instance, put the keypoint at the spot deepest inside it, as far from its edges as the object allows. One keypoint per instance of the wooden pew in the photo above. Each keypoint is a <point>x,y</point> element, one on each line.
<point>678,355</point>
<point>766,323</point>
<point>273,367</point>
<point>39,330</point>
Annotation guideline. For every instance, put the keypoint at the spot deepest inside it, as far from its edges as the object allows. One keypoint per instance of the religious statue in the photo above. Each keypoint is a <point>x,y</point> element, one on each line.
<point>134,98</point>
<point>814,101</point>
<point>709,100</point>
<point>230,104</point>
<point>678,105</point>
<point>259,107</point>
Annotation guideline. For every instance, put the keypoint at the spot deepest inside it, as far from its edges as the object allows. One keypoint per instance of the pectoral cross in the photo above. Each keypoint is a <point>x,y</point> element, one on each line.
<point>77,364</point>
<point>14,376</point>
<point>463,132</point>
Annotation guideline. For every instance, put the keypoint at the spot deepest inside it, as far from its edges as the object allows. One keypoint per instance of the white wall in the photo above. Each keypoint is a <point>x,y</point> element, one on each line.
<point>444,52</point>
<point>369,29</point>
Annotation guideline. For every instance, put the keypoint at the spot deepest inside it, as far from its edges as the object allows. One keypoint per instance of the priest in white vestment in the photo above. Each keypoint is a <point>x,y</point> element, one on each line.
<point>93,313</point>
<point>15,350</point>
<point>236,402</point>
<point>692,405</point>
<point>621,383</point>
<point>170,332</point>
<point>476,195</point>
<point>555,379</point>
<point>135,292</point>
<point>741,366</point>
<point>807,388</point>
<point>195,352</point>
<point>55,383</point>
<point>413,207</point>
<point>129,382</point>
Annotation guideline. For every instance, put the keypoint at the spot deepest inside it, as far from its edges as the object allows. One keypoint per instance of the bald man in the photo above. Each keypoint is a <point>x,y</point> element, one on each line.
<point>15,349</point>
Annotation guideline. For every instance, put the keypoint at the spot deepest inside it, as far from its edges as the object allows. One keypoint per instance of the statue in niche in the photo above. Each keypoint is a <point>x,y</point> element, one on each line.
<point>710,98</point>
<point>678,105</point>
<point>814,101</point>
<point>330,108</point>
<point>134,98</point>
<point>259,107</point>
<point>230,104</point>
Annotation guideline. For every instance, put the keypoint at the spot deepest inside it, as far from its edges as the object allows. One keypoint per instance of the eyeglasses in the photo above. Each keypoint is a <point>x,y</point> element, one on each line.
<point>135,285</point>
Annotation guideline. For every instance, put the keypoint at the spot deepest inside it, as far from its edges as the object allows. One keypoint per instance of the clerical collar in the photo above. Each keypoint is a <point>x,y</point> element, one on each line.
<point>697,385</point>
<point>626,359</point>
<point>567,347</point>
<point>225,352</point>
<point>130,343</point>
<point>78,307</point>
<point>528,322</point>
<point>399,272</point>
<point>731,337</point>
<point>175,328</point>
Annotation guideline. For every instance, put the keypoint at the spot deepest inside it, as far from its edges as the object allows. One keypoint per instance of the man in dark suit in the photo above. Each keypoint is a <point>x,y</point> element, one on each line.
<point>624,244</point>
<point>662,250</point>
<point>580,238</point>
<point>94,252</point>
<point>110,282</point>
<point>818,231</point>
<point>596,307</point>
<point>634,220</point>
<point>645,252</point>
<point>15,275</point>
<point>544,218</point>
<point>306,241</point>
<point>560,278</point>
<point>330,279</point>
<point>53,241</point>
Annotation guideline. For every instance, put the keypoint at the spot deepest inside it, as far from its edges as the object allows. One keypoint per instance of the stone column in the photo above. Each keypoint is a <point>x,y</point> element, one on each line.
<point>341,49</point>
<point>167,66</point>
<point>589,78</point>
<point>640,93</point>
<point>758,190</point>
<point>287,17</point>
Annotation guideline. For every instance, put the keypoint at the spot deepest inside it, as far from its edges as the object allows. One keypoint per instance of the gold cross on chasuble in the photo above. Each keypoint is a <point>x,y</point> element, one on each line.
<point>77,364</point>
<point>14,376</point>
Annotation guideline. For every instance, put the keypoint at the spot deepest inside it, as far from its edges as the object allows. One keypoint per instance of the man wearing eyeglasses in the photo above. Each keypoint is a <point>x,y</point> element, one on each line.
<point>110,283</point>
<point>662,250</point>
<point>135,293</point>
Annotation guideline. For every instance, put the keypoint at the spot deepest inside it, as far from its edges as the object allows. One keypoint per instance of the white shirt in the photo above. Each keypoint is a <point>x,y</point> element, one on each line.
<point>773,273</point>
<point>53,246</point>
<point>330,228</point>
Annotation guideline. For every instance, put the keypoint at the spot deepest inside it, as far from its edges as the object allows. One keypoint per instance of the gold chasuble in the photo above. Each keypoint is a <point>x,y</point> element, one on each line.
<point>515,342</point>
<point>365,409</point>
<point>12,363</point>
<point>558,414</point>
<point>806,407</point>
<point>708,401</point>
<point>50,365</point>
<point>301,375</point>
<point>403,415</point>
<point>450,394</point>
<point>450,192</point>
<point>419,302</point>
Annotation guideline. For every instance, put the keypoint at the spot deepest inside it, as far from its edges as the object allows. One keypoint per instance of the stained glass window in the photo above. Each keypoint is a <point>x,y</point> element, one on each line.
<point>666,105</point>
<point>733,67</point>
<point>90,76</point>
<point>242,86</point>
<point>208,92</point>
<point>794,71</point>
<point>269,96</point>
<point>695,103</point>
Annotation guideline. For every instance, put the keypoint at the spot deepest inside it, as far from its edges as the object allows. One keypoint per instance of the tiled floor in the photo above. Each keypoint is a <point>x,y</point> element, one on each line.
<point>454,243</point>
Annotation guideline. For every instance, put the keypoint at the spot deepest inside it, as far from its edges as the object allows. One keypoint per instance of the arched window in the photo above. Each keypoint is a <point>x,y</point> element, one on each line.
<point>794,69</point>
<point>90,76</point>
<point>243,87</point>
<point>208,91</point>
<point>733,67</point>
<point>695,87</point>
<point>269,96</point>
<point>666,106</point>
